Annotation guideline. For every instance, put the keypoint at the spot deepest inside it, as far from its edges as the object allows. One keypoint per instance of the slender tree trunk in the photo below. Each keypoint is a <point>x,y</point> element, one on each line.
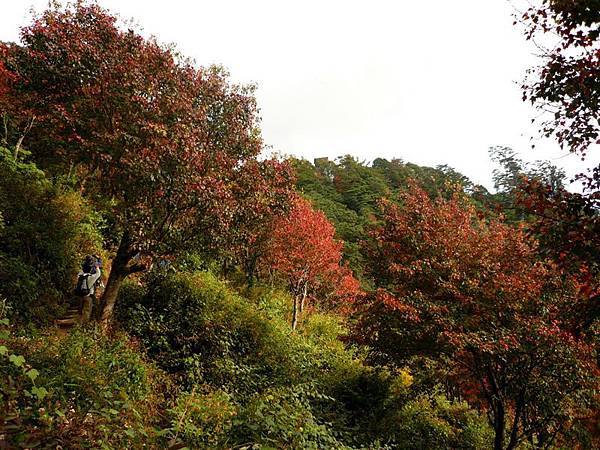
<point>20,141</point>
<point>5,123</point>
<point>295,313</point>
<point>299,300</point>
<point>303,300</point>
<point>17,148</point>
<point>499,427</point>
<point>250,270</point>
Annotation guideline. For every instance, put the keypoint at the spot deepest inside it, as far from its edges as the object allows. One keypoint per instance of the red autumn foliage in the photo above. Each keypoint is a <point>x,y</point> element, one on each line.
<point>566,87</point>
<point>567,226</point>
<point>163,140</point>
<point>303,251</point>
<point>263,191</point>
<point>472,292</point>
<point>567,84</point>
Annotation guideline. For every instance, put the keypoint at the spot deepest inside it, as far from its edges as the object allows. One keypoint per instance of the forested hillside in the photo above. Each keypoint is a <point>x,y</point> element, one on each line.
<point>278,303</point>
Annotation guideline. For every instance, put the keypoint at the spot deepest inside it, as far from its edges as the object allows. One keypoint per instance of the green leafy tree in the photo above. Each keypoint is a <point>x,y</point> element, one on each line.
<point>359,187</point>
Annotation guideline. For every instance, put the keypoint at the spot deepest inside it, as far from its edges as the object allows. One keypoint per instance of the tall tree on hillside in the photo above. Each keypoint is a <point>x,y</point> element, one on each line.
<point>510,179</point>
<point>262,193</point>
<point>154,140</point>
<point>360,187</point>
<point>566,87</point>
<point>472,295</point>
<point>303,252</point>
<point>436,181</point>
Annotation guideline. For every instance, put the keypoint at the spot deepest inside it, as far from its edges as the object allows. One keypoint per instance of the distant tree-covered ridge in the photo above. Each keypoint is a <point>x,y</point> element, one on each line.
<point>348,191</point>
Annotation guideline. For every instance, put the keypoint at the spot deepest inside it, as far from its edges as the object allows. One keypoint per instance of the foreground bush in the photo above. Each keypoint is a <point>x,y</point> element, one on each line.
<point>195,327</point>
<point>88,390</point>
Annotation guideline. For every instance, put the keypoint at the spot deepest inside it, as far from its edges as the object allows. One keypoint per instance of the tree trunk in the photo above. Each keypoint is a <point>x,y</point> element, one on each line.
<point>17,148</point>
<point>303,300</point>
<point>20,141</point>
<point>298,306</point>
<point>499,427</point>
<point>295,313</point>
<point>250,266</point>
<point>118,273</point>
<point>109,298</point>
<point>520,406</point>
<point>86,309</point>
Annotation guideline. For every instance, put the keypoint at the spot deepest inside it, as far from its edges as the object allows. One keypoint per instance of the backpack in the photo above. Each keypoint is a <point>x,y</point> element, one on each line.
<point>88,267</point>
<point>82,289</point>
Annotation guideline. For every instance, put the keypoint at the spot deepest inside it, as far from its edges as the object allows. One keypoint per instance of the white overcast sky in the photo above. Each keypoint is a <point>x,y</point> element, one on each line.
<point>431,82</point>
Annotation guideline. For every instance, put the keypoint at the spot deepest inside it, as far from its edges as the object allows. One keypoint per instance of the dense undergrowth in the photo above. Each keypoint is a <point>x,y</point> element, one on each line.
<point>201,365</point>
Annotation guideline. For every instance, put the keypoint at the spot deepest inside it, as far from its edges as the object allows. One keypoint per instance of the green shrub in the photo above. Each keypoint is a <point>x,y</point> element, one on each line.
<point>272,302</point>
<point>202,420</point>
<point>435,422</point>
<point>283,418</point>
<point>196,327</point>
<point>389,405</point>
<point>21,395</point>
<point>99,393</point>
<point>46,230</point>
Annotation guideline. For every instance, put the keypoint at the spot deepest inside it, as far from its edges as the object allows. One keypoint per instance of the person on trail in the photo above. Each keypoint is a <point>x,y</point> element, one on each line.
<point>88,278</point>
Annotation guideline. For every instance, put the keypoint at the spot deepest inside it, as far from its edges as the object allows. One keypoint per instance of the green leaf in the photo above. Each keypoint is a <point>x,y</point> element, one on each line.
<point>39,392</point>
<point>32,374</point>
<point>163,432</point>
<point>3,350</point>
<point>16,360</point>
<point>4,322</point>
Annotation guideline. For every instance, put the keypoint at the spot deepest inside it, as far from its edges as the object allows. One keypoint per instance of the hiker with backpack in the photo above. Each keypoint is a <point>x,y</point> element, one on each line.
<point>88,278</point>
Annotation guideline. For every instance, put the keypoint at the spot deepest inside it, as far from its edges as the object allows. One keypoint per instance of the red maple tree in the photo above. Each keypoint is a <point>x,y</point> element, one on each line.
<point>154,140</point>
<point>565,87</point>
<point>472,293</point>
<point>262,191</point>
<point>303,251</point>
<point>567,83</point>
